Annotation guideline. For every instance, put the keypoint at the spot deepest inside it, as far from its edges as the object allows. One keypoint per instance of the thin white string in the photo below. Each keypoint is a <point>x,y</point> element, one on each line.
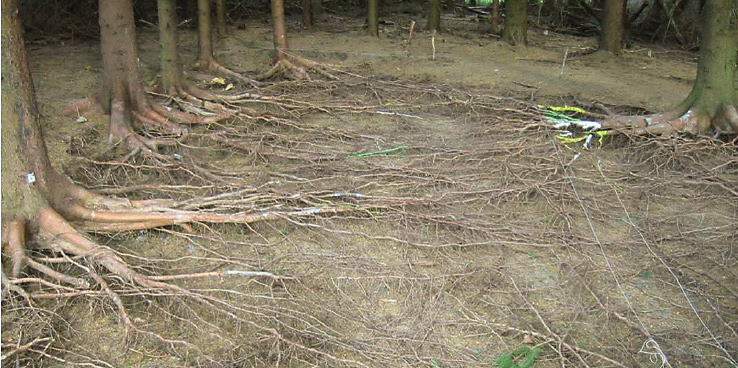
<point>653,347</point>
<point>671,271</point>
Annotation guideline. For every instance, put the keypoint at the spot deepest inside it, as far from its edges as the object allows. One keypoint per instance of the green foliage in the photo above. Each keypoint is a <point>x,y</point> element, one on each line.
<point>522,357</point>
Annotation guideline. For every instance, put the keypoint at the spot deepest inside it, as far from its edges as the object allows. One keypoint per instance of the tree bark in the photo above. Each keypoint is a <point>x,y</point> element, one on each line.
<point>205,36</point>
<point>286,62</point>
<point>712,105</point>
<point>171,70</point>
<point>612,30</point>
<point>27,175</point>
<point>123,89</point>
<point>120,57</point>
<point>372,17</point>
<point>307,14</point>
<point>434,15</point>
<point>220,14</point>
<point>515,31</point>
<point>715,90</point>
<point>279,28</point>
<point>495,16</point>
<point>205,59</point>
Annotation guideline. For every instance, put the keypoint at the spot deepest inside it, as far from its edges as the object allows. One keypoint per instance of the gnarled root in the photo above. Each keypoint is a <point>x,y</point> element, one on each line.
<point>93,212</point>
<point>145,114</point>
<point>294,67</point>
<point>54,232</point>
<point>692,121</point>
<point>212,66</point>
<point>123,121</point>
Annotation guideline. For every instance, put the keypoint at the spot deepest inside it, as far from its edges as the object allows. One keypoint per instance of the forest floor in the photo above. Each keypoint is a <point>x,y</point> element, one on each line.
<point>463,227</point>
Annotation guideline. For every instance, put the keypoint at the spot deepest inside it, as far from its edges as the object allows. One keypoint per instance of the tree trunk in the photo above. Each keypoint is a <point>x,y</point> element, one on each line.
<point>205,38</point>
<point>191,9</point>
<point>220,16</point>
<point>205,58</point>
<point>495,16</point>
<point>287,63</point>
<point>715,91</point>
<point>123,89</point>
<point>515,31</point>
<point>27,174</point>
<point>279,28</point>
<point>307,14</point>
<point>120,57</point>
<point>372,17</point>
<point>171,71</point>
<point>38,201</point>
<point>434,15</point>
<point>712,105</point>
<point>612,32</point>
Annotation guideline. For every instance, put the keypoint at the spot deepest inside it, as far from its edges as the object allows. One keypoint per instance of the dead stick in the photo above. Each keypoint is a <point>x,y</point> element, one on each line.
<point>563,64</point>
<point>25,347</point>
<point>433,44</point>
<point>214,274</point>
<point>410,38</point>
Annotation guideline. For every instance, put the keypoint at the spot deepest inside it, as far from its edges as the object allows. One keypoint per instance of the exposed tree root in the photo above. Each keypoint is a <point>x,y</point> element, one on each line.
<point>206,60</point>
<point>106,214</point>
<point>123,95</point>
<point>122,133</point>
<point>54,232</point>
<point>153,116</point>
<point>692,121</point>
<point>173,82</point>
<point>60,232</point>
<point>210,65</point>
<point>294,67</point>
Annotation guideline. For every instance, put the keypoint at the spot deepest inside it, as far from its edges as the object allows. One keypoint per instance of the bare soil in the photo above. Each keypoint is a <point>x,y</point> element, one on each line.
<point>465,228</point>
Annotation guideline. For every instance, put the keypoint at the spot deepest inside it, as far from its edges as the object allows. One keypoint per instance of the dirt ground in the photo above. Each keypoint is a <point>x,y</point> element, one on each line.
<point>425,213</point>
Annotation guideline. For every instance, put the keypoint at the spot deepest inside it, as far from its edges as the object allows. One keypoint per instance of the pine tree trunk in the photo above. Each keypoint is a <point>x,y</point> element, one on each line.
<point>28,180</point>
<point>495,16</point>
<point>121,76</point>
<point>372,17</point>
<point>307,14</point>
<point>712,105</point>
<point>612,33</point>
<point>220,14</point>
<point>515,31</point>
<point>716,85</point>
<point>205,35</point>
<point>171,71</point>
<point>279,27</point>
<point>434,15</point>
